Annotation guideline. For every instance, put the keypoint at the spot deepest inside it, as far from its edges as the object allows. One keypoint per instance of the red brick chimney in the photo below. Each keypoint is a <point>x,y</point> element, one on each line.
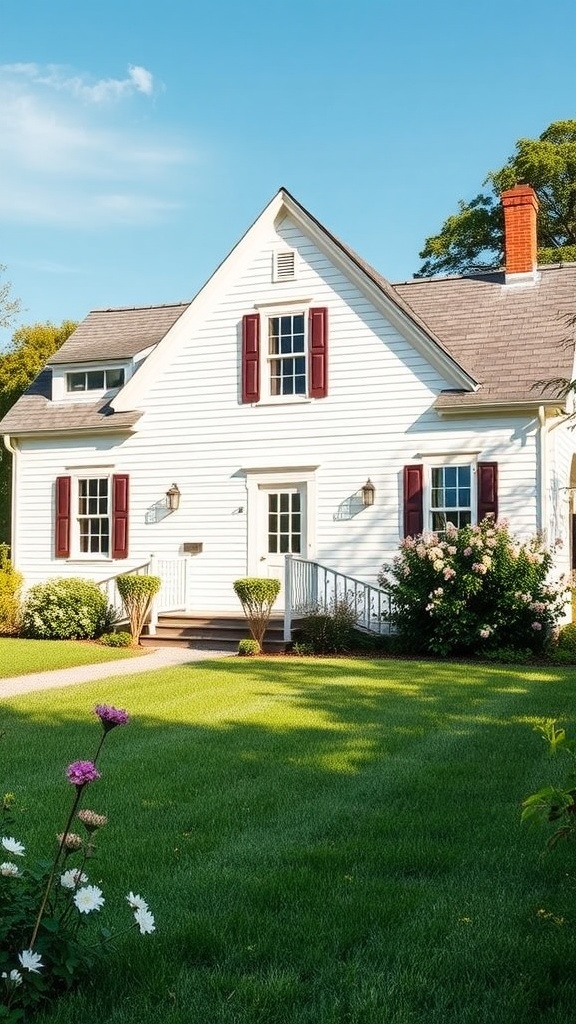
<point>520,236</point>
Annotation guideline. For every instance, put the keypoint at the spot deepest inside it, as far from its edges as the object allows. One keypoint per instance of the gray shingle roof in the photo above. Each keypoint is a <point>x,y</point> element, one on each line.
<point>117,333</point>
<point>509,337</point>
<point>105,334</point>
<point>35,413</point>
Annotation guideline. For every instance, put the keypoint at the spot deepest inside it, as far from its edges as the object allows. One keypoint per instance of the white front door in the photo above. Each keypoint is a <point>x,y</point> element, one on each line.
<point>282,528</point>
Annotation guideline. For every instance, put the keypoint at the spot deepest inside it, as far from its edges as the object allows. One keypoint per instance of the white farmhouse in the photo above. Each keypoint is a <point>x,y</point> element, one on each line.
<point>299,405</point>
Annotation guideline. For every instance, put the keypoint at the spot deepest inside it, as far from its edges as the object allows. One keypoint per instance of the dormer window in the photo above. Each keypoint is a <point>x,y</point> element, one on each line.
<point>95,380</point>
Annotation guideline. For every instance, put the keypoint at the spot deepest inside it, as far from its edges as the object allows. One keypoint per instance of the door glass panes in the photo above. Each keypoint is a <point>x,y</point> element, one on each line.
<point>284,523</point>
<point>450,496</point>
<point>94,516</point>
<point>287,355</point>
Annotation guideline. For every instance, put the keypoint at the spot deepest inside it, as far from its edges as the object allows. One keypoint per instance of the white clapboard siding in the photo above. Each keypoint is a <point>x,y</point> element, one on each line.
<point>377,417</point>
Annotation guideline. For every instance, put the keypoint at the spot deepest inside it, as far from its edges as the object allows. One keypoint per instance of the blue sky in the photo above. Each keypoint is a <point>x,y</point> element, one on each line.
<point>139,140</point>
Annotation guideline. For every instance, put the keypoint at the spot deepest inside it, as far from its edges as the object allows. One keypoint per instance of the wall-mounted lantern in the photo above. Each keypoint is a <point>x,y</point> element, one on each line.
<point>368,492</point>
<point>173,498</point>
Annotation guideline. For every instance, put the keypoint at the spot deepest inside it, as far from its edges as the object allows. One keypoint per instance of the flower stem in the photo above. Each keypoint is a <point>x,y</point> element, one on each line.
<point>50,881</point>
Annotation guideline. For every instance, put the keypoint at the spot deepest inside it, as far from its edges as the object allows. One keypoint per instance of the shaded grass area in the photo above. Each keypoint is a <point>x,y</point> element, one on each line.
<point>322,842</point>
<point>20,657</point>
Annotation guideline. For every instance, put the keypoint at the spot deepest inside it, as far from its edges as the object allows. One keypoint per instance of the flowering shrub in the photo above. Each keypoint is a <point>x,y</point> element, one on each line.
<point>66,609</point>
<point>45,910</point>
<point>474,590</point>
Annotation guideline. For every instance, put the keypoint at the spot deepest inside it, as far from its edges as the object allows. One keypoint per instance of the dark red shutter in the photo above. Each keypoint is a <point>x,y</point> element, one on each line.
<point>251,357</point>
<point>62,517</point>
<point>487,490</point>
<point>318,352</point>
<point>413,500</point>
<point>120,515</point>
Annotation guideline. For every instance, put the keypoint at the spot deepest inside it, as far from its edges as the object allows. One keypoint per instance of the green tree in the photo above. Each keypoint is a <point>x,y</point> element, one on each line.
<point>29,350</point>
<point>9,308</point>
<point>472,239</point>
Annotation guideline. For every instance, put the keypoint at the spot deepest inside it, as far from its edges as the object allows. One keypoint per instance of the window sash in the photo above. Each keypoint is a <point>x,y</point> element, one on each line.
<point>95,380</point>
<point>450,496</point>
<point>94,515</point>
<point>287,355</point>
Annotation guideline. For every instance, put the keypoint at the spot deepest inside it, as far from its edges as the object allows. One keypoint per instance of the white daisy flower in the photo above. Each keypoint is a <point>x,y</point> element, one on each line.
<point>73,878</point>
<point>15,977</point>
<point>136,902</point>
<point>88,898</point>
<point>10,870</point>
<point>13,846</point>
<point>144,920</point>
<point>30,961</point>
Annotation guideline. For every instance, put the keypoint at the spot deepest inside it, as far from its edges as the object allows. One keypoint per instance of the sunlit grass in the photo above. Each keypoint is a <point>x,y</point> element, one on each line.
<point>20,657</point>
<point>322,842</point>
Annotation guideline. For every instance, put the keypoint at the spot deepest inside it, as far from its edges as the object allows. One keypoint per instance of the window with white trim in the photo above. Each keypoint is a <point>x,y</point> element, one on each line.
<point>287,357</point>
<point>95,380</point>
<point>450,496</point>
<point>93,515</point>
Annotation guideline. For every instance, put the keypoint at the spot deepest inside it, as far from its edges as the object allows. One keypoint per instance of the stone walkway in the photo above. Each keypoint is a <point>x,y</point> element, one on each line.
<point>156,658</point>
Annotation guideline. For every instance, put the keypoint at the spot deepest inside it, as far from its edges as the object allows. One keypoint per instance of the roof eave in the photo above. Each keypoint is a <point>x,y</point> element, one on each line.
<point>505,405</point>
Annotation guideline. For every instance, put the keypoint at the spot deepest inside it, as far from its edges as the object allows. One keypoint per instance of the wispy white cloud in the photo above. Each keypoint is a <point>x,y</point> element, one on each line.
<point>59,78</point>
<point>77,152</point>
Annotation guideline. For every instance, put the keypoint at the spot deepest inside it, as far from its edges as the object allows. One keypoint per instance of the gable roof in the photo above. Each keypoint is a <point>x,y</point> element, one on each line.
<point>510,337</point>
<point>117,333</point>
<point>493,341</point>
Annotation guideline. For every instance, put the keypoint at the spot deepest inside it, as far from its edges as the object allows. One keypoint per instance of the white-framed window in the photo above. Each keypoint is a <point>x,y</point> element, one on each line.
<point>286,358</point>
<point>106,379</point>
<point>450,496</point>
<point>93,515</point>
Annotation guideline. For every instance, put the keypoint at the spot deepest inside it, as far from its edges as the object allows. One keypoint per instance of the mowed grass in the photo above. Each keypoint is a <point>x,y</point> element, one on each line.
<point>321,842</point>
<point>20,657</point>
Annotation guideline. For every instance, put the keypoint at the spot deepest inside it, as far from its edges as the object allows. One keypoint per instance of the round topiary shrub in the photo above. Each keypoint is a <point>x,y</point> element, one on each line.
<point>137,593</point>
<point>65,609</point>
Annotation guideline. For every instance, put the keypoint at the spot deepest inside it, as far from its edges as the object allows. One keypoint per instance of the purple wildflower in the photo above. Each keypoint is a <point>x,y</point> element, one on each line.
<point>81,772</point>
<point>111,716</point>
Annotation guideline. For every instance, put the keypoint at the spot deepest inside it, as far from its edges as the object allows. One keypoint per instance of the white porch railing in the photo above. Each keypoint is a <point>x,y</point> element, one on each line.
<point>309,587</point>
<point>171,596</point>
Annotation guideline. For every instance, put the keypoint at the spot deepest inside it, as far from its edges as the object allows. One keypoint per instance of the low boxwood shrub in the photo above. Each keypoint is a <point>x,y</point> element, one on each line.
<point>10,589</point>
<point>119,639</point>
<point>66,609</point>
<point>248,648</point>
<point>329,632</point>
<point>473,590</point>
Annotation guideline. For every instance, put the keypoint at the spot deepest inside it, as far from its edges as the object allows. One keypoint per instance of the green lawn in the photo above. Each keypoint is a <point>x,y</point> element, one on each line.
<point>321,842</point>
<point>18,657</point>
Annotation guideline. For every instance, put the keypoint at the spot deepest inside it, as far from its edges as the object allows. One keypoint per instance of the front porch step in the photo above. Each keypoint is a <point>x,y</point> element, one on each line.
<point>211,632</point>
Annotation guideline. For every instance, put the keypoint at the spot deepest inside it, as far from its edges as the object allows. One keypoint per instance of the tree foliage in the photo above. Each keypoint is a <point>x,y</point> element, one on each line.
<point>472,239</point>
<point>9,308</point>
<point>29,350</point>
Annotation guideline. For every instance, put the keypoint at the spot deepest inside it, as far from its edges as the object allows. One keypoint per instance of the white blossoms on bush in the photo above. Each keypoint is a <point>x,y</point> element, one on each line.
<point>73,878</point>
<point>145,921</point>
<point>13,846</point>
<point>10,870</point>
<point>15,977</point>
<point>89,898</point>
<point>30,961</point>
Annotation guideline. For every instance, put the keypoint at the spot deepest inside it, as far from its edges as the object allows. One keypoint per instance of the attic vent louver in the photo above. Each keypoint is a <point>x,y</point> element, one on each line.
<point>284,265</point>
